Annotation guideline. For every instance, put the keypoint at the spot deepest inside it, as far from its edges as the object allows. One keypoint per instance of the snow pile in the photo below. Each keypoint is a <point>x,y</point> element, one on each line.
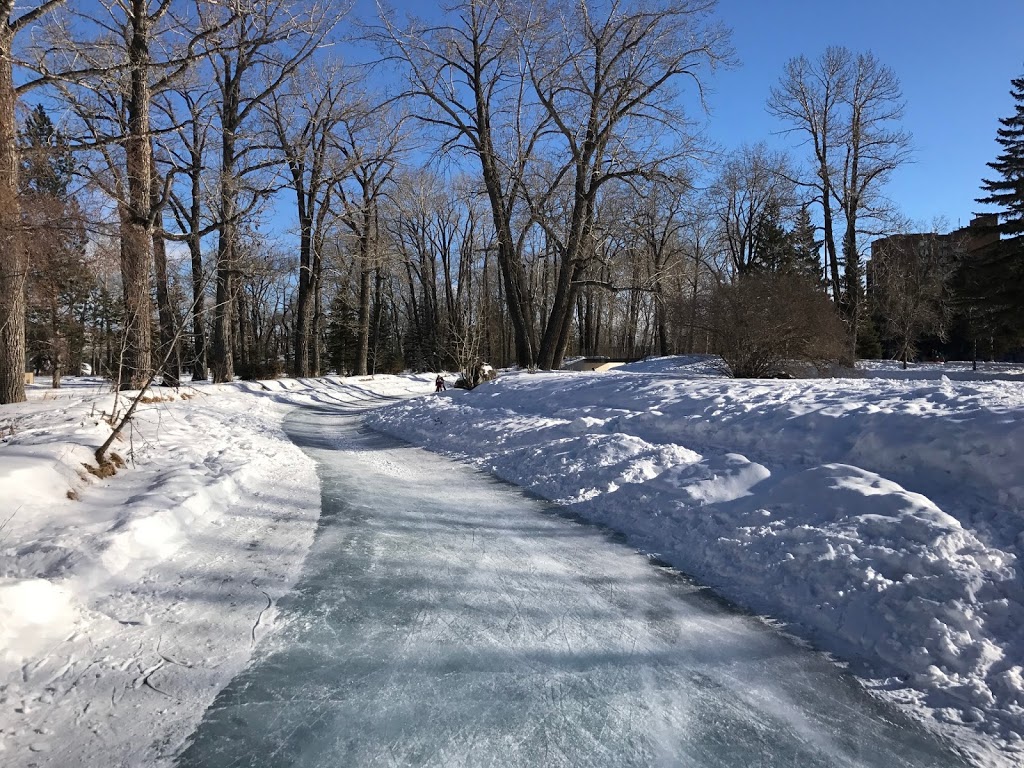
<point>882,519</point>
<point>127,602</point>
<point>35,612</point>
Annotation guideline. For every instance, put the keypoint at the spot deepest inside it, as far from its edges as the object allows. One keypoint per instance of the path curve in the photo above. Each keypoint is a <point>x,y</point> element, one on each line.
<point>448,619</point>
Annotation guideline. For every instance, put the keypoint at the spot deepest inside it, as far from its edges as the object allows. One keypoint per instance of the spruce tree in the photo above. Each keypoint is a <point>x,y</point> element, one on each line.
<point>993,279</point>
<point>805,248</point>
<point>59,281</point>
<point>772,250</point>
<point>47,165</point>
<point>1007,191</point>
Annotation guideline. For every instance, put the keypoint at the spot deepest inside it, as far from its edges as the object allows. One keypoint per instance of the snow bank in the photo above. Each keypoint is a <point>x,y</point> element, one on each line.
<point>881,519</point>
<point>127,602</point>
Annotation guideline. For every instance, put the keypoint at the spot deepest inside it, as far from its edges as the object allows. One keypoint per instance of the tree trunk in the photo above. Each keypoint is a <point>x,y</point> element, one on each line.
<point>198,309</point>
<point>136,351</point>
<point>363,350</point>
<point>170,355</point>
<point>13,259</point>
<point>56,346</point>
<point>851,303</point>
<point>316,332</point>
<point>304,307</point>
<point>559,325</point>
<point>222,360</point>
<point>378,305</point>
<point>517,293</point>
<point>136,225</point>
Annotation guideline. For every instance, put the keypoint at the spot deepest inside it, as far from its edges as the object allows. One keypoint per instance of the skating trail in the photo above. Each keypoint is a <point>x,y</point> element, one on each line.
<point>446,619</point>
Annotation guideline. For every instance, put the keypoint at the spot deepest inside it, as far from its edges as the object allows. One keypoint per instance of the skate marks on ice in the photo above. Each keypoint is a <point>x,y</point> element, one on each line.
<point>447,619</point>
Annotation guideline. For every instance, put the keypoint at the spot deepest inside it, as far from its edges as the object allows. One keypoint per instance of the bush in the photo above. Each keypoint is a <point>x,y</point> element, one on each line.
<point>773,325</point>
<point>475,375</point>
<point>260,369</point>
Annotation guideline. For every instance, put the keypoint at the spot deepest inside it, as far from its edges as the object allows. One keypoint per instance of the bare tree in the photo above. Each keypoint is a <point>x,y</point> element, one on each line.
<point>435,228</point>
<point>657,222</point>
<point>302,121</point>
<point>371,141</point>
<point>108,64</point>
<point>262,45</point>
<point>169,352</point>
<point>188,200</point>
<point>910,280</point>
<point>846,104</point>
<point>872,151</point>
<point>468,76</point>
<point>809,97</point>
<point>701,270</point>
<point>752,183</point>
<point>607,81</point>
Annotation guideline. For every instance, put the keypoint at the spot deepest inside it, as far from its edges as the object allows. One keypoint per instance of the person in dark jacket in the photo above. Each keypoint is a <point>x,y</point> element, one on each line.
<point>439,384</point>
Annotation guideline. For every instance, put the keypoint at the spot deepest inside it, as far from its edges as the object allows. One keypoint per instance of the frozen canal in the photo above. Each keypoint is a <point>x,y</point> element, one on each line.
<point>446,619</point>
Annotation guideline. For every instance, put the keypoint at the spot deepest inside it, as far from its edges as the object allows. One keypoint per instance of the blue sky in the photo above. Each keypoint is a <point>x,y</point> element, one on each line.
<point>954,59</point>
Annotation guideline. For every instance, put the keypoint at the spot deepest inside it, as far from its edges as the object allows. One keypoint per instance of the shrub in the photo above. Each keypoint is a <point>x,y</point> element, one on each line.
<point>772,325</point>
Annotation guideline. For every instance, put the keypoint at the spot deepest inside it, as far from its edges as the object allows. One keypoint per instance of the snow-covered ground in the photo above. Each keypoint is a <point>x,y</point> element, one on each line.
<point>128,602</point>
<point>444,618</point>
<point>880,518</point>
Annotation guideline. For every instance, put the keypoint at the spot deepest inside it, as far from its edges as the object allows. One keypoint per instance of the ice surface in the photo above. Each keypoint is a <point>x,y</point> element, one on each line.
<point>447,619</point>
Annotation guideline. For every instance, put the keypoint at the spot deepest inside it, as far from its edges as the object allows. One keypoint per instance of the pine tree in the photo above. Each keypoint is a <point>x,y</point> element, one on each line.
<point>805,248</point>
<point>59,279</point>
<point>1007,191</point>
<point>772,249</point>
<point>993,279</point>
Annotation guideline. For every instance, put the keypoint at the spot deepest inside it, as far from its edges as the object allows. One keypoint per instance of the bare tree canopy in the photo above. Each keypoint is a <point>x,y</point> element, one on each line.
<point>557,102</point>
<point>848,106</point>
<point>269,187</point>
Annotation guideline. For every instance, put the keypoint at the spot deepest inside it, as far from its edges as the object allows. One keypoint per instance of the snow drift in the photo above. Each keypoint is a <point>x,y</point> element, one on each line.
<point>879,518</point>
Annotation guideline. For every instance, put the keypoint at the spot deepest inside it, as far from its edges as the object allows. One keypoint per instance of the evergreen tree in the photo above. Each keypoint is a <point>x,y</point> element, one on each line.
<point>792,252</point>
<point>1007,191</point>
<point>772,247</point>
<point>805,248</point>
<point>343,335</point>
<point>46,162</point>
<point>994,279</point>
<point>59,279</point>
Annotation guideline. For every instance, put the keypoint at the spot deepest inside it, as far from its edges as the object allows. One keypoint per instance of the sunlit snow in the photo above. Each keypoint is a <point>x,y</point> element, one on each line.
<point>879,518</point>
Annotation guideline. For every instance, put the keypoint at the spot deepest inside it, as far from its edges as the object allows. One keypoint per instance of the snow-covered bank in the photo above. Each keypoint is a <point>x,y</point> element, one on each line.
<point>127,602</point>
<point>880,518</point>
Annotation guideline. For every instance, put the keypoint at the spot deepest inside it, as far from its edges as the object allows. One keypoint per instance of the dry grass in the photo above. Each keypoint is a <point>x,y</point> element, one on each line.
<point>107,469</point>
<point>150,399</point>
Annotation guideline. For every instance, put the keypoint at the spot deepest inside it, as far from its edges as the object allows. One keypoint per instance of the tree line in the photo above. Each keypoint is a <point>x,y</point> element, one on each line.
<point>503,181</point>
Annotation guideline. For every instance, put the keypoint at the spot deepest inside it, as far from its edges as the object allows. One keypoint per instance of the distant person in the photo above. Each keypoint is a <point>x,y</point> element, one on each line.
<point>439,384</point>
